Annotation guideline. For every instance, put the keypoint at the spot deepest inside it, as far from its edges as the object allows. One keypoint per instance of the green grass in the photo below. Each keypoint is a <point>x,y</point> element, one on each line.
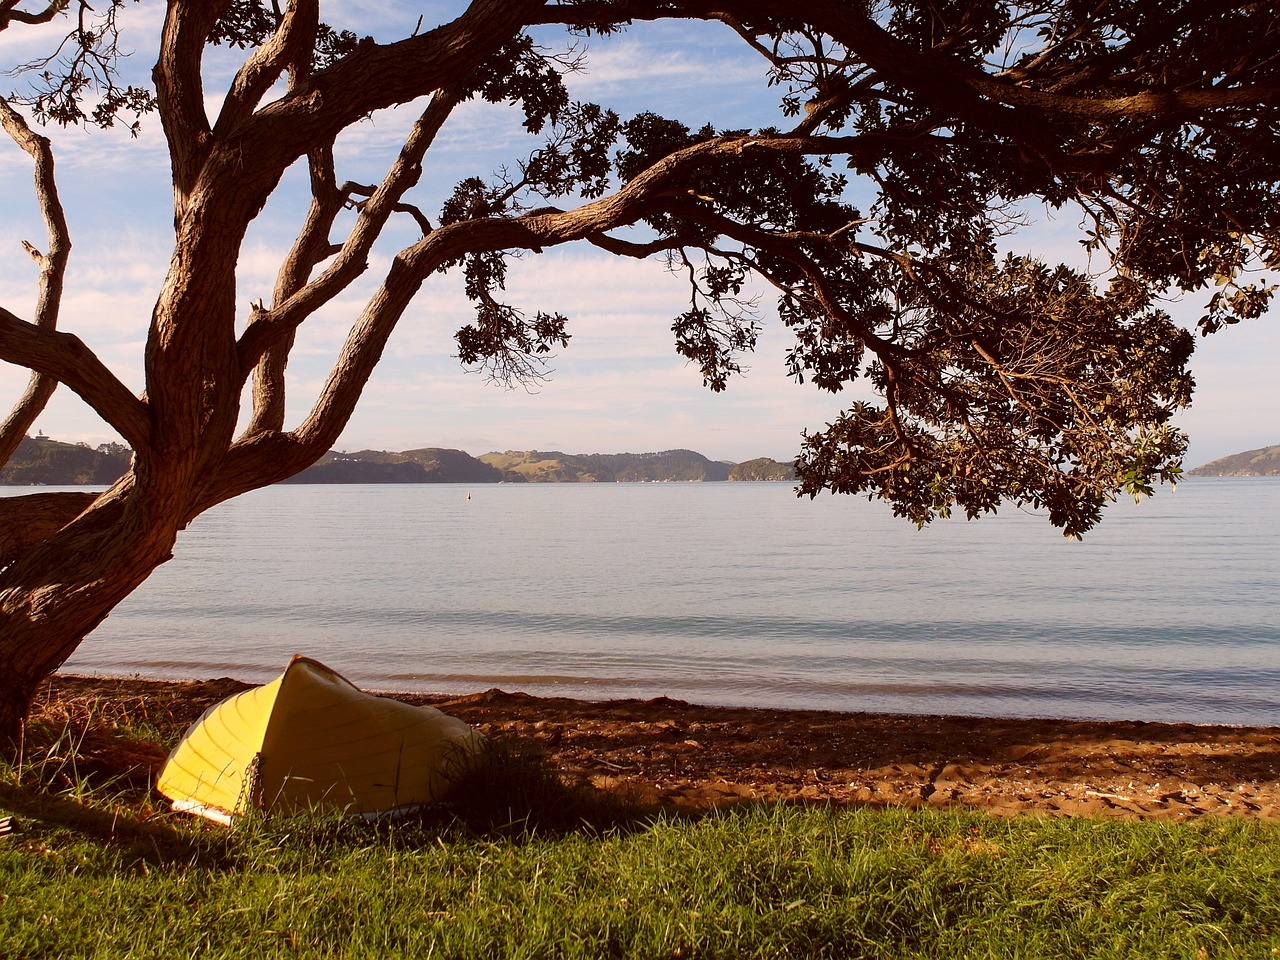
<point>545,870</point>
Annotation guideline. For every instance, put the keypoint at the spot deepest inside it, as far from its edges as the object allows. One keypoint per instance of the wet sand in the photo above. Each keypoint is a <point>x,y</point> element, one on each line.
<point>675,754</point>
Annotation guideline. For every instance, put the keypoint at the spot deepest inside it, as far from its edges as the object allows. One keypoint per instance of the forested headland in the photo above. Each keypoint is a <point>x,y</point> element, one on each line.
<point>39,460</point>
<point>1263,462</point>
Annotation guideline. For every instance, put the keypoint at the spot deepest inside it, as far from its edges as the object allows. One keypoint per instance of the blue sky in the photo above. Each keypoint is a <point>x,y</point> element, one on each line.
<point>619,385</point>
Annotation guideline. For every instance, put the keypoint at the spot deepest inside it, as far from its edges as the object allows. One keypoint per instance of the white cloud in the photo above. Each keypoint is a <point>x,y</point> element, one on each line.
<point>618,67</point>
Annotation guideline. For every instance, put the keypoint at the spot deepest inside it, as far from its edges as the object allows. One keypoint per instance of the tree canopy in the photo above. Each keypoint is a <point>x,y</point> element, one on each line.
<point>909,139</point>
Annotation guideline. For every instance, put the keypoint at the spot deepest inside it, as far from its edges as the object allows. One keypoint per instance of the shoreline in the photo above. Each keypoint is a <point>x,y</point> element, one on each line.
<point>672,754</point>
<point>543,689</point>
<point>908,699</point>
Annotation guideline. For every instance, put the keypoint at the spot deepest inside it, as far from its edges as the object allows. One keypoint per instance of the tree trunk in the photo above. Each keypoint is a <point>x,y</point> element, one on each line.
<point>58,592</point>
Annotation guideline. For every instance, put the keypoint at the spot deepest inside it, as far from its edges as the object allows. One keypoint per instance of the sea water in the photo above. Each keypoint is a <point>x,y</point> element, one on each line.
<point>727,593</point>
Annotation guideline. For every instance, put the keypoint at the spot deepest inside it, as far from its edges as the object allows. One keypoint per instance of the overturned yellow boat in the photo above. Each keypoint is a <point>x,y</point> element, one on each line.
<point>310,740</point>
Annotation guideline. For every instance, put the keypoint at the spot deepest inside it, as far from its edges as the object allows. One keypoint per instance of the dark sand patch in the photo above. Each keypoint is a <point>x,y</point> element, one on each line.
<point>681,755</point>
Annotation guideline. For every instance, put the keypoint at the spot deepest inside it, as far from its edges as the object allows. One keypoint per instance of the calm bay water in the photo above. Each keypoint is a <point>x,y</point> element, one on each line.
<point>730,594</point>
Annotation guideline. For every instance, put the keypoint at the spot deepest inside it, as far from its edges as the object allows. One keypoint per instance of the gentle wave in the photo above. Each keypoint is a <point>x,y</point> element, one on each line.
<point>732,594</point>
<point>1197,633</point>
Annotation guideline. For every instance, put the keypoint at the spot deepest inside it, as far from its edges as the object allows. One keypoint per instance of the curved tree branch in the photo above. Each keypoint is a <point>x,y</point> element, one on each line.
<point>1001,103</point>
<point>289,48</point>
<point>540,229</point>
<point>65,358</point>
<point>629,248</point>
<point>534,231</point>
<point>53,267</point>
<point>29,520</point>
<point>310,248</point>
<point>295,298</point>
<point>9,13</point>
<point>180,91</point>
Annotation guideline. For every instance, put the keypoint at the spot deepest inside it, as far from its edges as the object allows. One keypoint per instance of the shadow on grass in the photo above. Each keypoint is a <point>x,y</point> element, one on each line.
<point>82,782</point>
<point>522,790</point>
<point>43,816</point>
<point>517,792</point>
<point>78,783</point>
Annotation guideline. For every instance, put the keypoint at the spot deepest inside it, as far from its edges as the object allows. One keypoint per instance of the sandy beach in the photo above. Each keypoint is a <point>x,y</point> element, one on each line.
<point>679,755</point>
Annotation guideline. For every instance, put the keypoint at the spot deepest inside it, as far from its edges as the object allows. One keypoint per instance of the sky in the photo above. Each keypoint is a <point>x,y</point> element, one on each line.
<point>619,386</point>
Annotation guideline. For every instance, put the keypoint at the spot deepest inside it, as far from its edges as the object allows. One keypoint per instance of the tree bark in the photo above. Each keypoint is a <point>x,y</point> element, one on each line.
<point>26,522</point>
<point>53,268</point>
<point>58,591</point>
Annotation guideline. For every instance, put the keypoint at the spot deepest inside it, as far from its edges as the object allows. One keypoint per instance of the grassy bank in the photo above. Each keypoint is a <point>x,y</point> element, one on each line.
<point>523,864</point>
<point>97,871</point>
<point>782,882</point>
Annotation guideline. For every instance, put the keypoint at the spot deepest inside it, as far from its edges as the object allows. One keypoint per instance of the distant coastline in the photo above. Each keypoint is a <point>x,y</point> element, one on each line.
<point>1263,462</point>
<point>435,465</point>
<point>42,460</point>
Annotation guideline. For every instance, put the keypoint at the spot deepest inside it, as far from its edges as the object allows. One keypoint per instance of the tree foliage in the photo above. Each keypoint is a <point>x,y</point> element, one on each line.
<point>908,139</point>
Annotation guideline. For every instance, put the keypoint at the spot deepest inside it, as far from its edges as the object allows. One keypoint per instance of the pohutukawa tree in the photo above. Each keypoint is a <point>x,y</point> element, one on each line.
<point>907,136</point>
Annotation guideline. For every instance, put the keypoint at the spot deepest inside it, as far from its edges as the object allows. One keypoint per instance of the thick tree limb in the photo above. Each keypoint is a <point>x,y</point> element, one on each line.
<point>1003,105</point>
<point>180,91</point>
<point>309,249</point>
<point>28,521</point>
<point>292,43</point>
<point>944,78</point>
<point>9,13</point>
<point>370,78</point>
<point>295,299</point>
<point>65,358</point>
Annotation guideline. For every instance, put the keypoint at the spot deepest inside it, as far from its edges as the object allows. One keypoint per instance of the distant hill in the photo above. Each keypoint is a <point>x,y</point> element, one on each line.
<point>1264,462</point>
<point>762,468</point>
<point>39,460</point>
<point>433,465</point>
<point>429,465</point>
<point>533,466</point>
